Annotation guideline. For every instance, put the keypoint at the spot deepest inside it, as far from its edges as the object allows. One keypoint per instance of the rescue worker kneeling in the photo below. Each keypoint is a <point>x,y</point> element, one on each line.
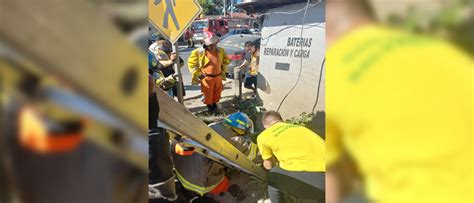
<point>200,174</point>
<point>208,66</point>
<point>295,170</point>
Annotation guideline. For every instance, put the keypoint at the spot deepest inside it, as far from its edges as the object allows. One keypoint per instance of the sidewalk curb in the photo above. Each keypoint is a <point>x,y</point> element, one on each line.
<point>200,95</point>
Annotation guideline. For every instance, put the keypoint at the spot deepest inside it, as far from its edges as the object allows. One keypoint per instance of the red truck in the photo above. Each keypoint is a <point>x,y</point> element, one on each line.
<point>196,33</point>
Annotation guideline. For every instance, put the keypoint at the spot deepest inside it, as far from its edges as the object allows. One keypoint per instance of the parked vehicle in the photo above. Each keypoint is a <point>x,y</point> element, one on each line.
<point>234,47</point>
<point>255,31</point>
<point>217,26</point>
<point>236,31</point>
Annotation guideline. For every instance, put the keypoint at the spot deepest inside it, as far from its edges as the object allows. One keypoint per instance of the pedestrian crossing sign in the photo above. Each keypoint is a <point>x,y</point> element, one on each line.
<point>172,17</point>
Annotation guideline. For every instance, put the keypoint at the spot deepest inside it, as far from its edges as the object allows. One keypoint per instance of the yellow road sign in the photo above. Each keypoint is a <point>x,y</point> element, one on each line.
<point>172,17</point>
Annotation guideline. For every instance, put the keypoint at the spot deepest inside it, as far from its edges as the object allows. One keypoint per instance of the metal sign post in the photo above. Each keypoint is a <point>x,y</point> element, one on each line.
<point>171,19</point>
<point>177,65</point>
<point>225,13</point>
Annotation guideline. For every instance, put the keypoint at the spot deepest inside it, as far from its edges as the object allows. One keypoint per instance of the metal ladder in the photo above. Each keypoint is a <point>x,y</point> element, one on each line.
<point>116,107</point>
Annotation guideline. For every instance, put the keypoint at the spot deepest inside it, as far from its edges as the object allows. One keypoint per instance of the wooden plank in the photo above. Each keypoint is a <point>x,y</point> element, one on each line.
<point>71,40</point>
<point>185,123</point>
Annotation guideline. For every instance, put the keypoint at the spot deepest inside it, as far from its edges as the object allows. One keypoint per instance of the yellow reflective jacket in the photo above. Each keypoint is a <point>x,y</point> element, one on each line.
<point>163,58</point>
<point>197,60</point>
<point>202,175</point>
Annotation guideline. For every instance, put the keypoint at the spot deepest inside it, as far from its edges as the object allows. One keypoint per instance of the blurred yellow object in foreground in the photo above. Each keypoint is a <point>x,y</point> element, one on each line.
<point>401,106</point>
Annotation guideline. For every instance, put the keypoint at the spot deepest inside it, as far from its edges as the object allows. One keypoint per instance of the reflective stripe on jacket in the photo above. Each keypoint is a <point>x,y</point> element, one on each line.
<point>199,174</point>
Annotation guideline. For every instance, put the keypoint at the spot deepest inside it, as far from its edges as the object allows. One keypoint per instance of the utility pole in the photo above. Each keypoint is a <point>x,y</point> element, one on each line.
<point>225,8</point>
<point>180,75</point>
<point>231,8</point>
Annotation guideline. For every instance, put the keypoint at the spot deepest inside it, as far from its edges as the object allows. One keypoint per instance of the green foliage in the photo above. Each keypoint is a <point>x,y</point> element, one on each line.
<point>302,120</point>
<point>254,109</point>
<point>452,22</point>
<point>209,8</point>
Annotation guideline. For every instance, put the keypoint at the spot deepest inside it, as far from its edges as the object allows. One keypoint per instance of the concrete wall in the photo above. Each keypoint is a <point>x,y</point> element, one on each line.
<point>283,71</point>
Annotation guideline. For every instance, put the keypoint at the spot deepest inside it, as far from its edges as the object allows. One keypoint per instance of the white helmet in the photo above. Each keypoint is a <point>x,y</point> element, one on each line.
<point>160,54</point>
<point>211,38</point>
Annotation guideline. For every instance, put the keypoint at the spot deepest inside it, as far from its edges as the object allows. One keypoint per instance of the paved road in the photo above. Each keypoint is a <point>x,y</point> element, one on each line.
<point>191,90</point>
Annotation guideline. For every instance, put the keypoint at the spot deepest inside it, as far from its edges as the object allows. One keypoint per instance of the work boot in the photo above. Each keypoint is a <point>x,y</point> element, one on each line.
<point>210,110</point>
<point>210,107</point>
<point>215,110</point>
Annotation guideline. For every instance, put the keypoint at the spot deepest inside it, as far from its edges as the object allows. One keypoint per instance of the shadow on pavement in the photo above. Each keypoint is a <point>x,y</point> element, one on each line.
<point>192,87</point>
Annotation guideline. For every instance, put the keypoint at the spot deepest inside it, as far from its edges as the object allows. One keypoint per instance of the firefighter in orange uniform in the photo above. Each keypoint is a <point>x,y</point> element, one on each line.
<point>208,66</point>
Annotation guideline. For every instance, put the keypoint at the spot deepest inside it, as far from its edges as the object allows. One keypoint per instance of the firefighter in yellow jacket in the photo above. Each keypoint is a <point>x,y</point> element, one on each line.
<point>208,66</point>
<point>202,175</point>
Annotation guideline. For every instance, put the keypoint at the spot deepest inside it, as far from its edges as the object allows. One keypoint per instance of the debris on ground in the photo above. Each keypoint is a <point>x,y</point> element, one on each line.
<point>243,188</point>
<point>302,119</point>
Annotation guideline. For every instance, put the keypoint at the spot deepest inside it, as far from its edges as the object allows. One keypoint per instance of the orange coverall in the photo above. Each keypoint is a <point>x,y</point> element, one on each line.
<point>211,85</point>
<point>212,65</point>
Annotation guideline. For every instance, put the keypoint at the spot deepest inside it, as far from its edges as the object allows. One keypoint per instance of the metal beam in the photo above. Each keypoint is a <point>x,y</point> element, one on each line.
<point>105,130</point>
<point>183,122</point>
<point>104,70</point>
<point>102,66</point>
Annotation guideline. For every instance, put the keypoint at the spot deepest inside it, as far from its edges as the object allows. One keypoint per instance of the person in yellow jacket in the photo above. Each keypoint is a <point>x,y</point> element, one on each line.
<point>202,175</point>
<point>400,106</point>
<point>296,158</point>
<point>208,66</point>
<point>166,58</point>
